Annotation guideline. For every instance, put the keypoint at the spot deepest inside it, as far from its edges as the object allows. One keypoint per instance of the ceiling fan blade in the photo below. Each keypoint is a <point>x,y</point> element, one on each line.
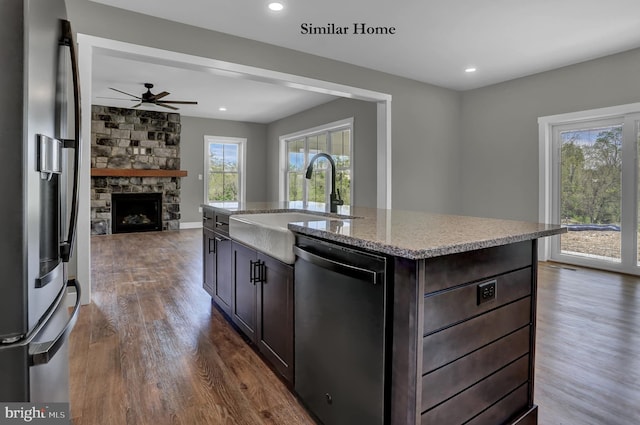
<point>183,102</point>
<point>116,98</point>
<point>161,95</point>
<point>163,104</point>
<point>124,92</point>
<point>135,106</point>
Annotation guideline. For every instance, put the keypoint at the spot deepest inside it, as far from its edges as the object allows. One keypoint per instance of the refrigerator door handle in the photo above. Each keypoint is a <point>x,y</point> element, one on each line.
<point>66,247</point>
<point>42,352</point>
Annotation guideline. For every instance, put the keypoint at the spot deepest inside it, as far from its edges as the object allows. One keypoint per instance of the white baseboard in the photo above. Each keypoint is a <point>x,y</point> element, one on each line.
<point>192,225</point>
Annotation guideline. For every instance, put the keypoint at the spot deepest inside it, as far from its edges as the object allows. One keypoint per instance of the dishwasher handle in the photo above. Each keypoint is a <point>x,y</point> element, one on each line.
<point>338,267</point>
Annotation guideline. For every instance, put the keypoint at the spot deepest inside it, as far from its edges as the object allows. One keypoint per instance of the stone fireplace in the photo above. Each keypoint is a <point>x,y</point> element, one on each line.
<point>134,152</point>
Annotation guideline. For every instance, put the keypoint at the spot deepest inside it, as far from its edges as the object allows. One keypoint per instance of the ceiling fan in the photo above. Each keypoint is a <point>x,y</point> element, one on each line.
<point>155,99</point>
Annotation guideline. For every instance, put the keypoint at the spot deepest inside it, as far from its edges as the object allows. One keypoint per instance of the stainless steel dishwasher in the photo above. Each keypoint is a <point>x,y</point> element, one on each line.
<point>341,348</point>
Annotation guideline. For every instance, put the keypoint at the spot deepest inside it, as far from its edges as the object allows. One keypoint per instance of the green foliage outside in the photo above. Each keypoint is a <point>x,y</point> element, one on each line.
<point>223,180</point>
<point>591,178</point>
<point>321,176</point>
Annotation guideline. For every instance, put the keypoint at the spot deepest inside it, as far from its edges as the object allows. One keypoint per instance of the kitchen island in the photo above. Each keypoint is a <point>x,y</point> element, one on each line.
<point>459,311</point>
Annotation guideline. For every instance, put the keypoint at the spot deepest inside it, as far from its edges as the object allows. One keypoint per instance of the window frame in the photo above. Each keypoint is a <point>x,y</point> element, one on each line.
<point>550,126</point>
<point>283,177</point>
<point>242,160</point>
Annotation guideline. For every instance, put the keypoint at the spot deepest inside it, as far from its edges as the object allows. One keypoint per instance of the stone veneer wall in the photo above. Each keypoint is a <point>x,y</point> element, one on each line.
<point>134,139</point>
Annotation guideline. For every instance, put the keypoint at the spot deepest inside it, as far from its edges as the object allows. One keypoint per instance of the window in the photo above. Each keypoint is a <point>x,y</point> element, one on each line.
<point>589,177</point>
<point>334,139</point>
<point>224,165</point>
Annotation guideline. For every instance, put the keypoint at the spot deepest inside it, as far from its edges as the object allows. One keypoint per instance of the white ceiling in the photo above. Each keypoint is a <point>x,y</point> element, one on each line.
<point>245,100</point>
<point>434,41</point>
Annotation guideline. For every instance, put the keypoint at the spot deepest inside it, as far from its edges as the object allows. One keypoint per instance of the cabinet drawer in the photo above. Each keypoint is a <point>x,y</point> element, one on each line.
<point>453,378</point>
<point>457,269</point>
<point>445,308</point>
<point>474,400</point>
<point>208,218</point>
<point>452,343</point>
<point>221,223</point>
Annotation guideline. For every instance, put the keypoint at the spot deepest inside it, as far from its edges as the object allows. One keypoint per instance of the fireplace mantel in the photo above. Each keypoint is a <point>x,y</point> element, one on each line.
<point>131,172</point>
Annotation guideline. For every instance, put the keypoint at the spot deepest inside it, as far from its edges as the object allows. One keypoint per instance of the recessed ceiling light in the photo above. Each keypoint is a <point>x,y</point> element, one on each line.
<point>222,109</point>
<point>470,69</point>
<point>276,6</point>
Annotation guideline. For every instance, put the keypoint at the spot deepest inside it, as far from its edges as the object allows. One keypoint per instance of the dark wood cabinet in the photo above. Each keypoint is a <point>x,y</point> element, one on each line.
<point>208,260</point>
<point>244,310</point>
<point>224,279</point>
<point>263,305</point>
<point>275,315</point>
<point>216,259</point>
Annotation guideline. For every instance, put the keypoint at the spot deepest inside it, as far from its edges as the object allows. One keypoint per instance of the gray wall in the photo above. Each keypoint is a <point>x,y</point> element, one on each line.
<point>364,143</point>
<point>499,145</point>
<point>425,118</point>
<point>192,160</point>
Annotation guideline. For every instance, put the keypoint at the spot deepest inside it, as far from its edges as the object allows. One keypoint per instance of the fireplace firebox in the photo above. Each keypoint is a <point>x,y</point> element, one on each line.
<point>136,212</point>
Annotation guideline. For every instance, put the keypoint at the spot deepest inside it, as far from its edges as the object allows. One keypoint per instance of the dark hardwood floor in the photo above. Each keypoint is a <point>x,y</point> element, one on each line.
<point>588,347</point>
<point>151,348</point>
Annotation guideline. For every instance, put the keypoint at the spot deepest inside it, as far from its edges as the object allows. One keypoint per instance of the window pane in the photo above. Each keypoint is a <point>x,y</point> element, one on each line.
<point>316,186</point>
<point>590,198</point>
<point>343,184</point>
<point>317,144</point>
<point>216,157</point>
<point>296,182</point>
<point>230,157</point>
<point>230,187</point>
<point>215,186</point>
<point>295,155</point>
<point>337,143</point>
<point>340,148</point>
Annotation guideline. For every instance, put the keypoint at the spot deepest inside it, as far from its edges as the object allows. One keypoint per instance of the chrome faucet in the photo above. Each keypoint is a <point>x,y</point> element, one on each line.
<point>334,199</point>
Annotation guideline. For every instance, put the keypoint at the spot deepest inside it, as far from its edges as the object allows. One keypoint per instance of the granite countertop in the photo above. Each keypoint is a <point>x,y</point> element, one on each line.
<point>409,234</point>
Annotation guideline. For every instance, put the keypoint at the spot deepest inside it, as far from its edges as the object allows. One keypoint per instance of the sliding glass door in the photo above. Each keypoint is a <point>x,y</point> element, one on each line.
<point>595,193</point>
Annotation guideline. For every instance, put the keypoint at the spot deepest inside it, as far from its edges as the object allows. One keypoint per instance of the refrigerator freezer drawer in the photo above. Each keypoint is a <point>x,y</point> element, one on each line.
<point>37,369</point>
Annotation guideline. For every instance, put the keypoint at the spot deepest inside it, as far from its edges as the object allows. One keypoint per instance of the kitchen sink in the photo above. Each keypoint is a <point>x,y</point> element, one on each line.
<point>268,232</point>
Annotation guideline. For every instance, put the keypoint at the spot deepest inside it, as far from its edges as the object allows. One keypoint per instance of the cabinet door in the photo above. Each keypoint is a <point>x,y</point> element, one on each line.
<point>244,289</point>
<point>208,260</point>
<point>275,314</point>
<point>223,280</point>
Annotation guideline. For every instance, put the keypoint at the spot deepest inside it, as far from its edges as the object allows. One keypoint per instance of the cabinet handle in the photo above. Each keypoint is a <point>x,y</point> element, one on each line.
<point>257,271</point>
<point>220,224</point>
<point>252,271</point>
<point>212,251</point>
<point>263,272</point>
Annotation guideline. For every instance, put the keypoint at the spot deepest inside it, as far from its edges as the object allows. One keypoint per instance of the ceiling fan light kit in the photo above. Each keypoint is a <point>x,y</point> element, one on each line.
<point>154,99</point>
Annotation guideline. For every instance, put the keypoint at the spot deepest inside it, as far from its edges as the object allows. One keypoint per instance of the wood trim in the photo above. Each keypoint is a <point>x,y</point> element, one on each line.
<point>406,361</point>
<point>130,172</point>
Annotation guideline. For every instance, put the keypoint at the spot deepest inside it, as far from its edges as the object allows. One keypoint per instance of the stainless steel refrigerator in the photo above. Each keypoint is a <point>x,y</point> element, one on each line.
<point>39,158</point>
